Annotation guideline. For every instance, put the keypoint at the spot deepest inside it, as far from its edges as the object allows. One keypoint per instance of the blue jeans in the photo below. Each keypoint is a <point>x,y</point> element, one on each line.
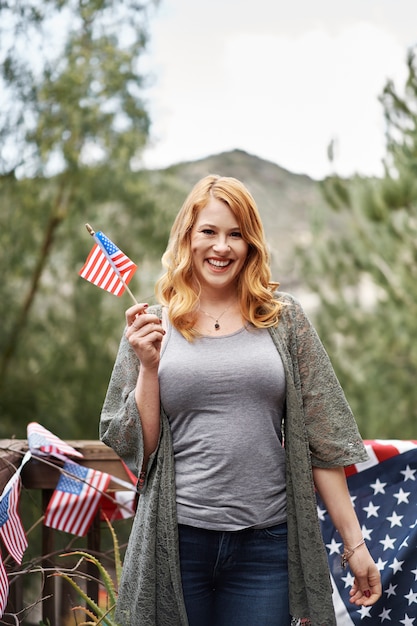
<point>235,578</point>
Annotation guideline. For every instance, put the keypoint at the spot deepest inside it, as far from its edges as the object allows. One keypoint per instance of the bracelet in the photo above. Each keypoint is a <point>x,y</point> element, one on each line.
<point>348,553</point>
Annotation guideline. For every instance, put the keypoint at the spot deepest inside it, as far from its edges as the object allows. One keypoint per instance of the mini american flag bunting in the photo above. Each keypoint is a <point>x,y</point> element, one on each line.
<point>123,503</point>
<point>76,499</point>
<point>107,266</point>
<point>11,529</point>
<point>42,442</point>
<point>384,493</point>
<point>4,588</point>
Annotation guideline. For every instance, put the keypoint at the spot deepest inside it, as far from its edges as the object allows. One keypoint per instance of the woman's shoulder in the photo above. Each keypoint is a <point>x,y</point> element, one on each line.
<point>292,311</point>
<point>287,299</point>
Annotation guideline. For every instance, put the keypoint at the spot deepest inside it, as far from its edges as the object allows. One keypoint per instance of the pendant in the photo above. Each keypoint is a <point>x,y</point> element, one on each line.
<point>217,325</point>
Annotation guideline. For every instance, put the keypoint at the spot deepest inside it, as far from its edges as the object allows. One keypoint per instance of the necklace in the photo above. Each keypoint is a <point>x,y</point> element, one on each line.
<point>218,318</point>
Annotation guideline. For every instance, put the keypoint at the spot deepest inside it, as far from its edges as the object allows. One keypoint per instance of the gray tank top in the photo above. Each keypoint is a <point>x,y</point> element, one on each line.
<point>224,397</point>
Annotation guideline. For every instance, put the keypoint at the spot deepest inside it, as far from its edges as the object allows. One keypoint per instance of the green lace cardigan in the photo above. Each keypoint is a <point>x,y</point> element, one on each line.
<point>319,430</point>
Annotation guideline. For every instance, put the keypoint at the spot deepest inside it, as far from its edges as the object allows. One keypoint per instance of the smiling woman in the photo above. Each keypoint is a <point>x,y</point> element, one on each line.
<point>224,399</point>
<point>217,261</point>
<point>218,255</point>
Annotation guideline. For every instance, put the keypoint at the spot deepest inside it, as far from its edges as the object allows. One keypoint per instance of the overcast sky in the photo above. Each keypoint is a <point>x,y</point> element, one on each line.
<point>277,79</point>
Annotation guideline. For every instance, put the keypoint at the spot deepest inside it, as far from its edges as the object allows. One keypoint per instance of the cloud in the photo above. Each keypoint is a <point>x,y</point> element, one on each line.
<point>280,96</point>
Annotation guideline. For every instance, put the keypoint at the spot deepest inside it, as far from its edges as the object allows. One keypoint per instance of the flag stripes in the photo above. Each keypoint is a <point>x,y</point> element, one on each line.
<point>11,529</point>
<point>380,450</point>
<point>76,499</point>
<point>41,440</point>
<point>105,264</point>
<point>4,588</point>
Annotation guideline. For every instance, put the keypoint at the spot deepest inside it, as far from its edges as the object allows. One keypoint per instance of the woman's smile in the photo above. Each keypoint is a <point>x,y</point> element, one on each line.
<point>219,251</point>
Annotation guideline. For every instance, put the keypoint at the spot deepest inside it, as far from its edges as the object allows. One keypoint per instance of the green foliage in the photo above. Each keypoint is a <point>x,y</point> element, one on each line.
<point>96,614</point>
<point>365,278</point>
<point>72,129</point>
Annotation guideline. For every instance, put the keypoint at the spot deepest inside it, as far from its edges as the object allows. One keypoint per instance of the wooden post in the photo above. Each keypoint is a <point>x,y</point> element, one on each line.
<point>48,591</point>
<point>93,545</point>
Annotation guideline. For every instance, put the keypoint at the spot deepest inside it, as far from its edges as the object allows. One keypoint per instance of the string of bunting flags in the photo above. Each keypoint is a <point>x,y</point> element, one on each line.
<point>78,495</point>
<point>383,491</point>
<point>80,491</point>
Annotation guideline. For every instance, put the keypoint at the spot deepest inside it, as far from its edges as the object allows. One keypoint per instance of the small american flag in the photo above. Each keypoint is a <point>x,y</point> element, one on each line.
<point>384,493</point>
<point>4,588</point>
<point>107,266</point>
<point>11,529</point>
<point>123,503</point>
<point>42,441</point>
<point>76,499</point>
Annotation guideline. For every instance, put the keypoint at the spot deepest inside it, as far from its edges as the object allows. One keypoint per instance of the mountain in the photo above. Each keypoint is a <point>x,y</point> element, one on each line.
<point>286,201</point>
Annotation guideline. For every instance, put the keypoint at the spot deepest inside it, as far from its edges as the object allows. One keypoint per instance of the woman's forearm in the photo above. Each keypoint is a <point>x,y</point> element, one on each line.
<point>148,403</point>
<point>332,487</point>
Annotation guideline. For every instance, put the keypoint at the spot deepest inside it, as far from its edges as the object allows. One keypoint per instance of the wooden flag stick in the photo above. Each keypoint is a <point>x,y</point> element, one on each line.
<point>92,233</point>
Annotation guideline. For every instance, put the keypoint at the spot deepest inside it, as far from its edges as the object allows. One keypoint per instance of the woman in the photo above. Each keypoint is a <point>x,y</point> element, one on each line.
<point>226,402</point>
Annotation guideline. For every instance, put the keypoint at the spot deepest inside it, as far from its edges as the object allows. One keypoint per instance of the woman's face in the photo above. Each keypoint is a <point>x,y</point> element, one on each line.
<point>218,250</point>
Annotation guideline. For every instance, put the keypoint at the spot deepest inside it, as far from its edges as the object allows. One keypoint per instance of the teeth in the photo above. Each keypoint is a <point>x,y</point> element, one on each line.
<point>218,263</point>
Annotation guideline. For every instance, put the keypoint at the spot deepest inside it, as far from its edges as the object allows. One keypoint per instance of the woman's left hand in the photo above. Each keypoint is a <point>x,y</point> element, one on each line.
<point>366,588</point>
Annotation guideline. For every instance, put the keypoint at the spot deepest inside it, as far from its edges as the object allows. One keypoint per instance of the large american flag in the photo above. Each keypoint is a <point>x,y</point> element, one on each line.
<point>384,493</point>
<point>76,499</point>
<point>107,266</point>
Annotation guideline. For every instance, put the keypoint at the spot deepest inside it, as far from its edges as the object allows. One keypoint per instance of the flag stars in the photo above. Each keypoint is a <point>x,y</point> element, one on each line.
<point>391,590</point>
<point>371,510</point>
<point>349,579</point>
<point>396,565</point>
<point>366,533</point>
<point>395,520</point>
<point>378,487</point>
<point>333,547</point>
<point>411,597</point>
<point>385,614</point>
<point>321,513</point>
<point>402,496</point>
<point>386,499</point>
<point>365,611</point>
<point>408,473</point>
<point>388,543</point>
<point>381,564</point>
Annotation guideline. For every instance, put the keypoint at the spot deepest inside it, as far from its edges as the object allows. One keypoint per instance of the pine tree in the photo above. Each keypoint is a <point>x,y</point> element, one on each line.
<point>73,123</point>
<point>365,277</point>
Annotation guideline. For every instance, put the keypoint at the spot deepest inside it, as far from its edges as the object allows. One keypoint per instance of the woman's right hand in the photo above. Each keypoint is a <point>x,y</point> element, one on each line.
<point>144,333</point>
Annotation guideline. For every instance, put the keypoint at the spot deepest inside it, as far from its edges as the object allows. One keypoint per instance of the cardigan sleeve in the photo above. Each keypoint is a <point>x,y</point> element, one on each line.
<point>333,435</point>
<point>120,425</point>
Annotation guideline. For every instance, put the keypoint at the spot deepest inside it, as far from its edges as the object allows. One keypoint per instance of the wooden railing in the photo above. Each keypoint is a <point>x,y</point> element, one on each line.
<point>36,475</point>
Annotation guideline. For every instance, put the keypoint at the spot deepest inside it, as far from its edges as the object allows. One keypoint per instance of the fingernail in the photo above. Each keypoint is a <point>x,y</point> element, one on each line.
<point>367,593</point>
<point>145,306</point>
